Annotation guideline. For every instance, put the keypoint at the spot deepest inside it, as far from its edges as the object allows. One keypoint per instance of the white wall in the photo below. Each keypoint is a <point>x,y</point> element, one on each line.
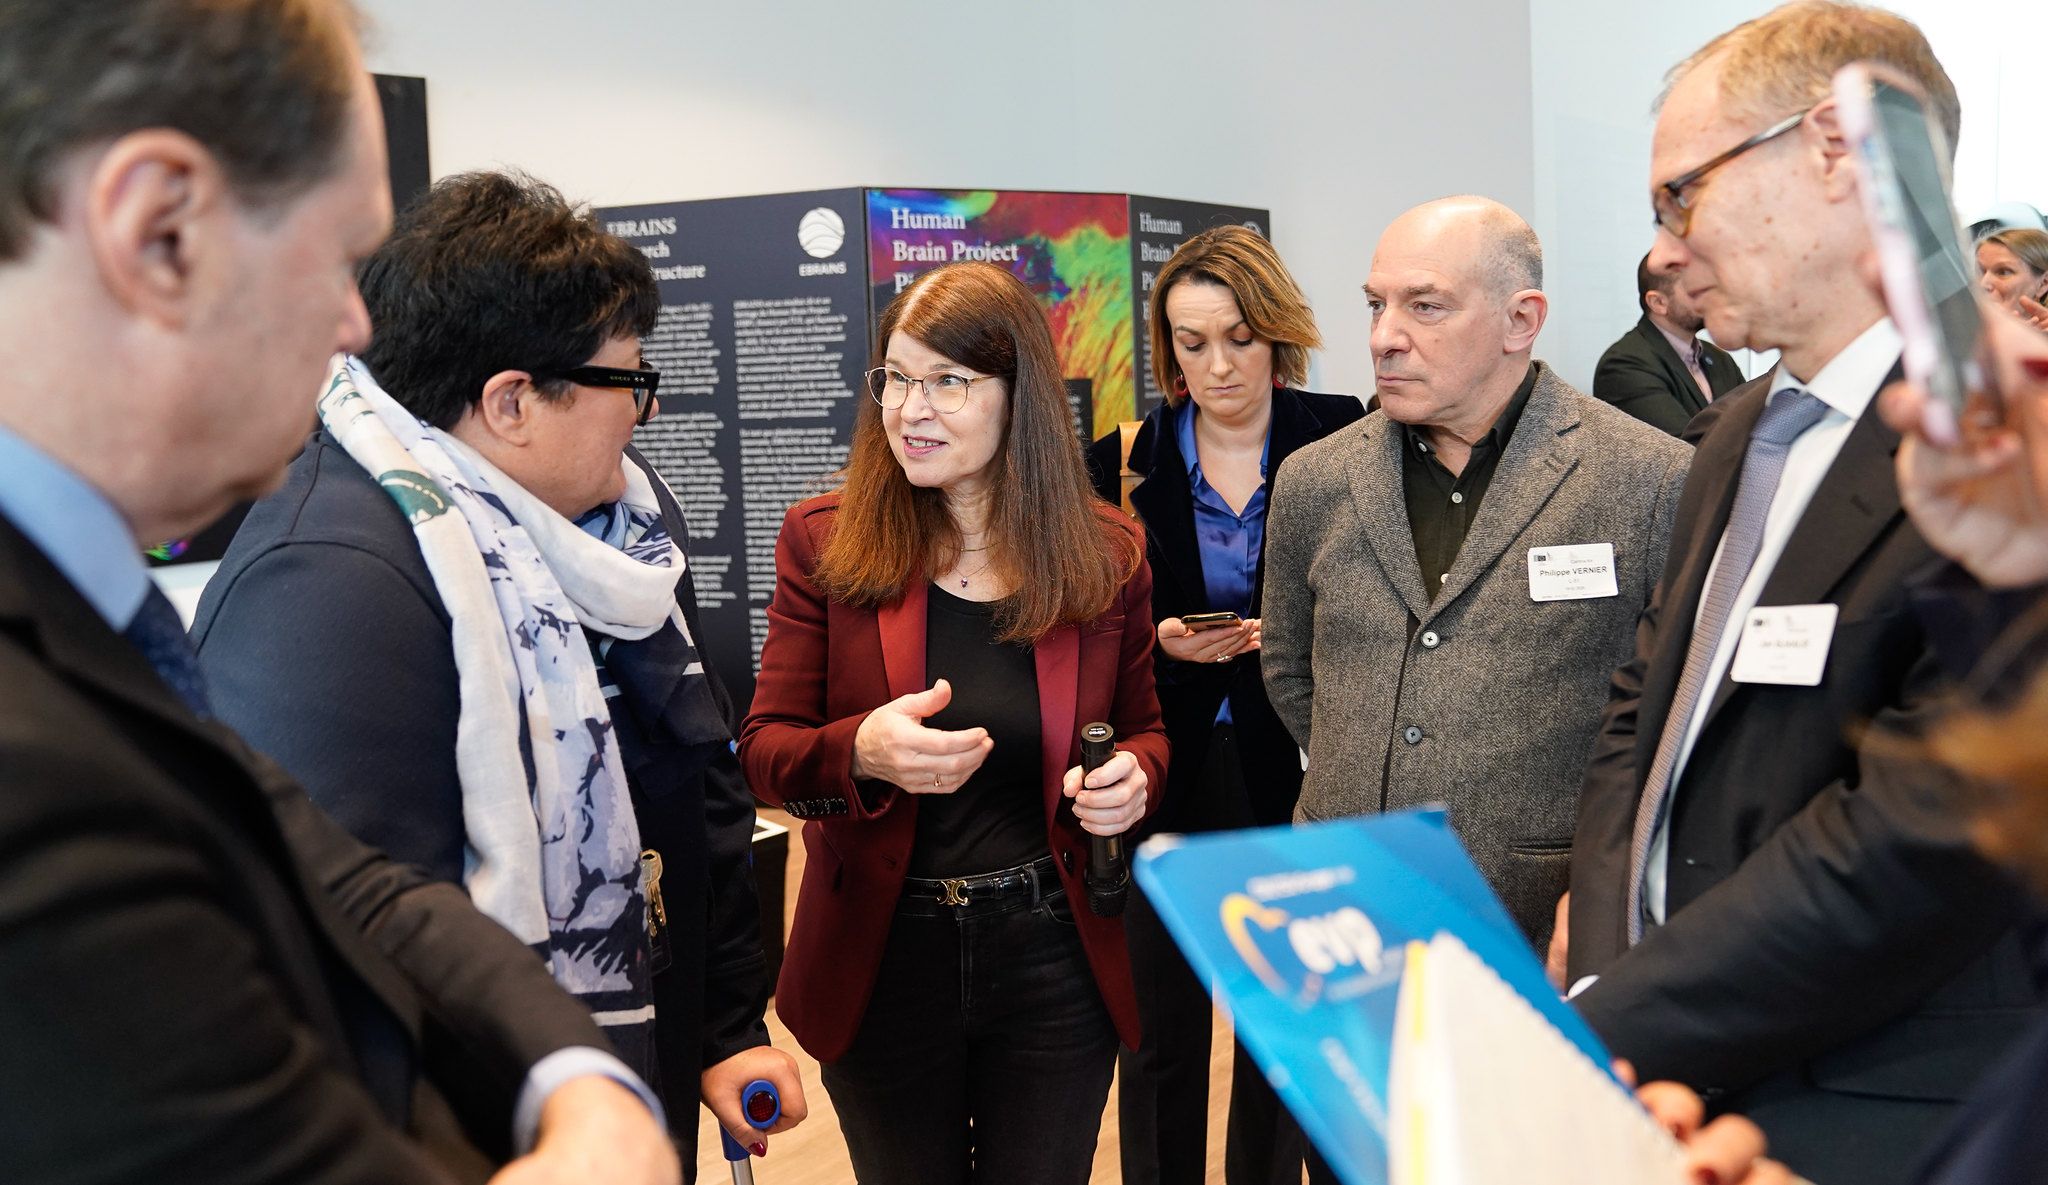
<point>1598,67</point>
<point>1993,51</point>
<point>1336,115</point>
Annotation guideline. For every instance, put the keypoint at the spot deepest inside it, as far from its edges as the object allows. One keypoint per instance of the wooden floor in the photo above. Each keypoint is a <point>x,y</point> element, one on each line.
<point>814,1154</point>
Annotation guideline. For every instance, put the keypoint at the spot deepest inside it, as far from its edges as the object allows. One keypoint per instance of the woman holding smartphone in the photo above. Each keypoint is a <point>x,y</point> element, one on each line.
<point>943,627</point>
<point>1230,336</point>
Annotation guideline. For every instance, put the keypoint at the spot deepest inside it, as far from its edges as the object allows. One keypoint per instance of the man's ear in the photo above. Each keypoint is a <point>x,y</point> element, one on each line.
<point>505,411</point>
<point>1823,133</point>
<point>158,214</point>
<point>1526,312</point>
<point>1657,303</point>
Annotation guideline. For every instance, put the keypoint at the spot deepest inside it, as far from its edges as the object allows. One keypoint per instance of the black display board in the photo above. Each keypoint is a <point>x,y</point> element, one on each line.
<point>405,135</point>
<point>1158,227</point>
<point>761,345</point>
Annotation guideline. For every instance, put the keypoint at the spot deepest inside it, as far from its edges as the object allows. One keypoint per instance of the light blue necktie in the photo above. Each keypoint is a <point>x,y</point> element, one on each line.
<point>1790,413</point>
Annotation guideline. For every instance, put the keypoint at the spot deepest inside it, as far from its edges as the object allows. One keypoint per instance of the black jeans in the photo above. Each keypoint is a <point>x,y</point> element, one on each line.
<point>985,1053</point>
<point>1163,1091</point>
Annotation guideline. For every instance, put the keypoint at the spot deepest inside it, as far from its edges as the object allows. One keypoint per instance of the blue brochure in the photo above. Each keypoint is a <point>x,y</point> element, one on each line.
<point>1308,934</point>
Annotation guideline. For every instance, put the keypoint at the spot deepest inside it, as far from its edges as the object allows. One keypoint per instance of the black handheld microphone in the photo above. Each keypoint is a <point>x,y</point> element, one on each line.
<point>1109,874</point>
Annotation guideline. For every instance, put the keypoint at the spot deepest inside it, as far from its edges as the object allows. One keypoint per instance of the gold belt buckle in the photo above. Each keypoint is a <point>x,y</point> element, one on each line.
<point>956,892</point>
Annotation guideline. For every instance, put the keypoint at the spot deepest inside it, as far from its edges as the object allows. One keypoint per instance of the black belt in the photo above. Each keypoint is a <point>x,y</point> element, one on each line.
<point>947,896</point>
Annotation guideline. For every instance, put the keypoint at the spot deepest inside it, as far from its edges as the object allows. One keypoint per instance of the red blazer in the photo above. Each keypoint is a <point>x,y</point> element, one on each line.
<point>825,666</point>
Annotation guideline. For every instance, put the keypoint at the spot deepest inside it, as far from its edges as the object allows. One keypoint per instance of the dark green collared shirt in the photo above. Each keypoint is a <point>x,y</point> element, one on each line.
<point>1441,507</point>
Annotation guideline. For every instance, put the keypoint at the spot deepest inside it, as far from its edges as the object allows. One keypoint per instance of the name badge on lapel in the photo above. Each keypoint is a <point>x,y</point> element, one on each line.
<point>1785,644</point>
<point>1576,572</point>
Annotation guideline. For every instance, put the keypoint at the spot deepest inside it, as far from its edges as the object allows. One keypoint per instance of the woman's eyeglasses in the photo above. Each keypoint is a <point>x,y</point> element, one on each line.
<point>642,382</point>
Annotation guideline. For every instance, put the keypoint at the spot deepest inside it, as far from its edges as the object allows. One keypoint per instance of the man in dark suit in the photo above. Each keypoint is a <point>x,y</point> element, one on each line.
<point>201,977</point>
<point>1772,901</point>
<point>1660,372</point>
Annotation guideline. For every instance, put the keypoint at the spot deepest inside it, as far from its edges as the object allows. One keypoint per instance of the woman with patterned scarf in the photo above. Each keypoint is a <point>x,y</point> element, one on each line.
<point>466,624</point>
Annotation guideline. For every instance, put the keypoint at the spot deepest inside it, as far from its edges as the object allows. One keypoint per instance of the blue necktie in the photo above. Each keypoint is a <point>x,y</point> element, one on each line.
<point>1790,413</point>
<point>159,633</point>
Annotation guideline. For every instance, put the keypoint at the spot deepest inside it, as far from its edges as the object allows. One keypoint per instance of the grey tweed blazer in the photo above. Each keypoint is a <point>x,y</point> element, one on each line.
<point>1482,699</point>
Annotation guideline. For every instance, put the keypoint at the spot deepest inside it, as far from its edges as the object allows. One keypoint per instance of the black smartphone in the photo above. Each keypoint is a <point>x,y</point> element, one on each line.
<point>1198,622</point>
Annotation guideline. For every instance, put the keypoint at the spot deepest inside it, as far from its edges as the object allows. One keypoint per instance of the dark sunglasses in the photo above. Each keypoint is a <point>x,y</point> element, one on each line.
<point>641,382</point>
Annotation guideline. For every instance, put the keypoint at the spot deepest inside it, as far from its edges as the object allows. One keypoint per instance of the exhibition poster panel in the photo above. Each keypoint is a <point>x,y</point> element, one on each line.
<point>1071,249</point>
<point>761,345</point>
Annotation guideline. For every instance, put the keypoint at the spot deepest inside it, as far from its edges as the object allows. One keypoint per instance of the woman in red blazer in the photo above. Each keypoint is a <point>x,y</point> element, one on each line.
<point>942,628</point>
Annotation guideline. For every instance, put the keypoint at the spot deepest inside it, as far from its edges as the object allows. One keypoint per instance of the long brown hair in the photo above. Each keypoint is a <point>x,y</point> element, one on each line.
<point>1065,554</point>
<point>1239,259</point>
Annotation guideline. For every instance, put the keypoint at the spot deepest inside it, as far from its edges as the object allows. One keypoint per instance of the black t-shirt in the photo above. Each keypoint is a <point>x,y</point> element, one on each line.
<point>996,819</point>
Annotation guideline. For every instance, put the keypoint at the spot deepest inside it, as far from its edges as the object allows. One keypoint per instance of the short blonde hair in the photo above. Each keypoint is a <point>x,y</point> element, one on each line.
<point>1784,61</point>
<point>1240,259</point>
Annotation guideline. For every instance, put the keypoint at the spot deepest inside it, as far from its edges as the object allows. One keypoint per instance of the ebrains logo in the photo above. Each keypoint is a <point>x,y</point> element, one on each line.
<point>1294,956</point>
<point>1253,225</point>
<point>821,233</point>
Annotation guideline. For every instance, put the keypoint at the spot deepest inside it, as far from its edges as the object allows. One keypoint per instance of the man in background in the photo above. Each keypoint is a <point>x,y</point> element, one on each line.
<point>1660,372</point>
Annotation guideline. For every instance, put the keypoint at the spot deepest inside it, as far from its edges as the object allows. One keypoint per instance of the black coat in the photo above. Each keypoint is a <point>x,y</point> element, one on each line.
<point>1190,694</point>
<point>324,642</point>
<point>202,978</point>
<point>1642,375</point>
<point>1833,938</point>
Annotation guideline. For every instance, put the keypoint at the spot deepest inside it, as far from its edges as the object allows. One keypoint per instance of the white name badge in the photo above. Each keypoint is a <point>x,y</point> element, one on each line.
<point>1785,644</point>
<point>1578,572</point>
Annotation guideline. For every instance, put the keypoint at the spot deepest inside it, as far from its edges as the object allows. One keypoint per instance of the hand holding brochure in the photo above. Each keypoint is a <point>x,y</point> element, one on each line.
<point>1396,1009</point>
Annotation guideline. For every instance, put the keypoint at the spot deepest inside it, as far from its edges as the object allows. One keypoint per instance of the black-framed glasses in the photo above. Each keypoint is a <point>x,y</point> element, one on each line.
<point>1673,206</point>
<point>945,390</point>
<point>642,382</point>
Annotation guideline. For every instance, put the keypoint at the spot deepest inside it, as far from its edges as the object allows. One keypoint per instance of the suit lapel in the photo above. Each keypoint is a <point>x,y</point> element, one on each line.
<point>1856,502</point>
<point>902,626</point>
<point>1683,385</point>
<point>1722,373</point>
<point>1542,451</point>
<point>1166,505</point>
<point>1712,480</point>
<point>1374,470</point>
<point>1057,657</point>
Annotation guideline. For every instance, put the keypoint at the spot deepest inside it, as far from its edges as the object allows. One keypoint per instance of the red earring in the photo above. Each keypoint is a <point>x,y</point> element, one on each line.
<point>1277,383</point>
<point>1180,384</point>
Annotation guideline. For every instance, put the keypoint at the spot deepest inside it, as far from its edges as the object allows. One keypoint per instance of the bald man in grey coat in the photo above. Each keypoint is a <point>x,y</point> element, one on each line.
<point>1451,581</point>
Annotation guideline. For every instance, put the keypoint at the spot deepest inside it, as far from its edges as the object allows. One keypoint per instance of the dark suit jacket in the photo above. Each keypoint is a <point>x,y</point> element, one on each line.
<point>1190,694</point>
<point>326,645</point>
<point>202,978</point>
<point>825,666</point>
<point>1829,922</point>
<point>1997,643</point>
<point>1642,375</point>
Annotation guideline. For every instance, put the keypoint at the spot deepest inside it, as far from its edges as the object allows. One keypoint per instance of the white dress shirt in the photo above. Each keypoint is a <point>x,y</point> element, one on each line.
<point>1847,384</point>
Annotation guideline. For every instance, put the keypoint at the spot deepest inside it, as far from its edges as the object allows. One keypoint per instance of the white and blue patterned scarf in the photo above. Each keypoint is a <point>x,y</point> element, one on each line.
<point>553,847</point>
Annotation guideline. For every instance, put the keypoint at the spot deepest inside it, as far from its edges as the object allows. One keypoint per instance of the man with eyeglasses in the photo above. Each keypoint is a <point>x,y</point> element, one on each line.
<point>1771,901</point>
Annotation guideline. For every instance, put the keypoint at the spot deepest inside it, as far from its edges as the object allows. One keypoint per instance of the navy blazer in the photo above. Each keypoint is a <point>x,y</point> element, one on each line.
<point>1190,694</point>
<point>324,642</point>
